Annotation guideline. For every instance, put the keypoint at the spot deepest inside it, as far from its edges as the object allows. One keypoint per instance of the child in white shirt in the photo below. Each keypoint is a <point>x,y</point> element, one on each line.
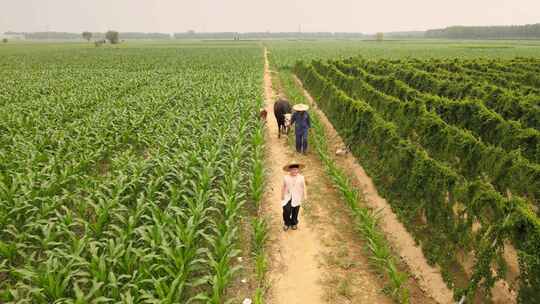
<point>293,193</point>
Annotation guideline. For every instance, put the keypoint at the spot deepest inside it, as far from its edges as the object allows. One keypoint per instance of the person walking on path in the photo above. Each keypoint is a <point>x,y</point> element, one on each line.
<point>293,193</point>
<point>302,123</point>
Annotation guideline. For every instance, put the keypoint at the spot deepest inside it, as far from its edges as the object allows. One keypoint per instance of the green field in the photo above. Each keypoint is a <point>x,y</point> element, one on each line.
<point>455,147</point>
<point>286,53</point>
<point>125,170</point>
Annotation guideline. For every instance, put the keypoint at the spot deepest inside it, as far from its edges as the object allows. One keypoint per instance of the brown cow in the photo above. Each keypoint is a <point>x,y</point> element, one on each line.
<point>281,107</point>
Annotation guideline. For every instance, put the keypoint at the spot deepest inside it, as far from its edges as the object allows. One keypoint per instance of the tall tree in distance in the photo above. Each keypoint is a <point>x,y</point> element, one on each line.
<point>87,35</point>
<point>112,36</point>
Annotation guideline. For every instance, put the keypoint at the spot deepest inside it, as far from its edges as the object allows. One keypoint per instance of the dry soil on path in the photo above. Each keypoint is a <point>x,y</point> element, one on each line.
<point>316,263</point>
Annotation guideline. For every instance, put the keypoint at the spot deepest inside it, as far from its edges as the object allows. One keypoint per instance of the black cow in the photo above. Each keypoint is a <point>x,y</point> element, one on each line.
<point>281,107</point>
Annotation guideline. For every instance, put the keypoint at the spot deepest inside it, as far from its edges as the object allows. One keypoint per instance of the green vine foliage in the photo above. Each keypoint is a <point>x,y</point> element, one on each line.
<point>448,79</point>
<point>497,74</point>
<point>475,76</point>
<point>461,149</point>
<point>437,198</point>
<point>462,109</point>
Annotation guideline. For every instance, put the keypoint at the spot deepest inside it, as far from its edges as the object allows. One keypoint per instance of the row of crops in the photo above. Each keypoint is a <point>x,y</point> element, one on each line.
<point>454,145</point>
<point>287,53</point>
<point>123,172</point>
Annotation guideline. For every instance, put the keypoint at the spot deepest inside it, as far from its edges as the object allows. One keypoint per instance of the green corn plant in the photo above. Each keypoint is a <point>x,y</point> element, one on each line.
<point>127,298</point>
<point>98,265</point>
<point>257,181</point>
<point>82,297</point>
<point>53,278</point>
<point>261,266</point>
<point>220,258</point>
<point>48,236</point>
<point>259,296</point>
<point>397,281</point>
<point>260,234</point>
<point>131,258</point>
<point>8,251</point>
<point>165,292</point>
<point>123,174</point>
<point>101,217</point>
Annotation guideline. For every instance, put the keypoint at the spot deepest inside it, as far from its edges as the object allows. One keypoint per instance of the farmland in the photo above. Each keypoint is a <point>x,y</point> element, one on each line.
<point>453,144</point>
<point>286,53</point>
<point>124,171</point>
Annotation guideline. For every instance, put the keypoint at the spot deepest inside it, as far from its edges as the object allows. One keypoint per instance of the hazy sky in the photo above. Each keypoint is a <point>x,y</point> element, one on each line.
<point>257,15</point>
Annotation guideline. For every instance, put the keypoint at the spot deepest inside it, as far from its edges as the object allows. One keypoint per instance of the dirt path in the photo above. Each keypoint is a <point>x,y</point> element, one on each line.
<point>294,253</point>
<point>429,278</point>
<point>316,263</point>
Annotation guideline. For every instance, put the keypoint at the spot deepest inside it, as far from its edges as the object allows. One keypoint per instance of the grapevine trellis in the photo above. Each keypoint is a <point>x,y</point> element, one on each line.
<point>463,177</point>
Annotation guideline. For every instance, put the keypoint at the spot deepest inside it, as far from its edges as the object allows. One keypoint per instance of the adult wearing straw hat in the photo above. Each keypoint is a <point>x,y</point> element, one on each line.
<point>293,193</point>
<point>302,124</point>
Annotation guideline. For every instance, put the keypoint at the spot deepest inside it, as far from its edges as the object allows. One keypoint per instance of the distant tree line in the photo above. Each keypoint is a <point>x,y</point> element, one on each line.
<point>87,35</point>
<point>263,35</point>
<point>529,31</point>
<point>190,35</point>
<point>405,35</point>
<point>46,35</point>
<point>136,35</point>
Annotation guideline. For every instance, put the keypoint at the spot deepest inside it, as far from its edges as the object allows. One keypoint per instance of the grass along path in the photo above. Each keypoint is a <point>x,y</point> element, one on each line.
<point>318,263</point>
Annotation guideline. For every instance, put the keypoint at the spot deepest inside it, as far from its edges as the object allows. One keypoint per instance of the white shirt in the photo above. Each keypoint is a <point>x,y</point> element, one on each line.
<point>295,187</point>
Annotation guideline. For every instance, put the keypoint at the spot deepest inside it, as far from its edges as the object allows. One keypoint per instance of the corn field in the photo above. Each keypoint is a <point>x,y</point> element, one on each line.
<point>123,172</point>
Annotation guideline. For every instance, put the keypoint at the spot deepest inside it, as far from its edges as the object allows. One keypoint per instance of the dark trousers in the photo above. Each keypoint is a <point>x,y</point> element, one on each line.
<point>301,141</point>
<point>290,214</point>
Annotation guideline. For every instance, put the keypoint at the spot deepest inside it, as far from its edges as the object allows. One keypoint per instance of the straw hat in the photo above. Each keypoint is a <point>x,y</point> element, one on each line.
<point>300,107</point>
<point>293,163</point>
